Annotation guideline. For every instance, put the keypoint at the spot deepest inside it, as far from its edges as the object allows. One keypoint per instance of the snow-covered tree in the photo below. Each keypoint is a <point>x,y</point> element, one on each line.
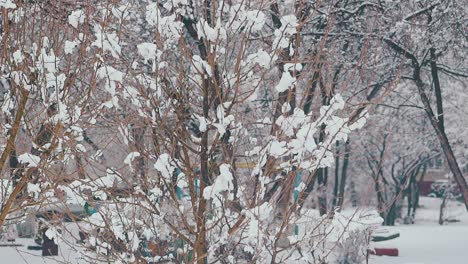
<point>199,130</point>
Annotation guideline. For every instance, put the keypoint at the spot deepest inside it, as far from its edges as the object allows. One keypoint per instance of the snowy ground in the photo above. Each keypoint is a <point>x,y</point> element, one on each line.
<point>426,242</point>
<point>21,255</point>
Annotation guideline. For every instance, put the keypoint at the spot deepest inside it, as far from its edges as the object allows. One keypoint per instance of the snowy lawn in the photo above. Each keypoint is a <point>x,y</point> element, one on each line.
<point>20,255</point>
<point>426,242</point>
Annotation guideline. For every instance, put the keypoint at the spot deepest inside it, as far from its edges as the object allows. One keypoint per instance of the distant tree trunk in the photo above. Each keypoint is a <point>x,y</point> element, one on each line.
<point>337,175</point>
<point>395,208</point>
<point>437,121</point>
<point>438,124</point>
<point>308,190</point>
<point>412,189</point>
<point>322,178</point>
<point>392,215</point>
<point>344,172</point>
<point>418,189</point>
<point>442,208</point>
<point>354,196</point>
<point>442,136</point>
<point>377,175</point>
<point>322,190</point>
<point>380,199</point>
<point>307,109</point>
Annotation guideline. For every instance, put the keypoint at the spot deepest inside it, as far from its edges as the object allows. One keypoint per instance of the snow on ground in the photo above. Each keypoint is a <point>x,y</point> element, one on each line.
<point>21,255</point>
<point>426,242</point>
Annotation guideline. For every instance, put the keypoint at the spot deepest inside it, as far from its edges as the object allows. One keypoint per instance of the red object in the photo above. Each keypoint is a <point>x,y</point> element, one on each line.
<point>393,252</point>
<point>425,188</point>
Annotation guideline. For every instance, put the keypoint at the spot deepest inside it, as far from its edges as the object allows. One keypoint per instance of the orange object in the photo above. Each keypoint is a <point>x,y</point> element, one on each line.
<point>158,249</point>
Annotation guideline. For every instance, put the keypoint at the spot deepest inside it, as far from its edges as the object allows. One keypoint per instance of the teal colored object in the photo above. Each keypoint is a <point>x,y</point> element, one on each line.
<point>296,195</point>
<point>296,185</point>
<point>180,244</point>
<point>179,192</point>
<point>144,249</point>
<point>89,209</point>
<point>197,186</point>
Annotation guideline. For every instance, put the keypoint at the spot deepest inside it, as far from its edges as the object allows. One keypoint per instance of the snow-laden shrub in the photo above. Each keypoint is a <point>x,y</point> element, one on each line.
<point>170,94</point>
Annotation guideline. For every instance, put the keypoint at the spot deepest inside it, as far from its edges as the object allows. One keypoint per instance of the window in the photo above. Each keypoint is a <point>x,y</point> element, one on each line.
<point>436,163</point>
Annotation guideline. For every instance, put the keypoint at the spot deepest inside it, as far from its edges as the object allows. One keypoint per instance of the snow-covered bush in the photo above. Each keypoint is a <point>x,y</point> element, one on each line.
<point>188,131</point>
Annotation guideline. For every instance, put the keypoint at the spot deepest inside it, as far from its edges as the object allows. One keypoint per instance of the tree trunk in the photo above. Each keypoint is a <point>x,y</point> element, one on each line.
<point>10,146</point>
<point>442,137</point>
<point>344,172</point>
<point>200,243</point>
<point>436,121</point>
<point>322,190</point>
<point>337,172</point>
<point>323,172</point>
<point>380,199</point>
<point>354,196</point>
<point>442,207</point>
<point>418,189</point>
<point>14,130</point>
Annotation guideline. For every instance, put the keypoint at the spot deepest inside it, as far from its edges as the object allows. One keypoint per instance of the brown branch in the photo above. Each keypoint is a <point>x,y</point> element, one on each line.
<point>14,194</point>
<point>14,129</point>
